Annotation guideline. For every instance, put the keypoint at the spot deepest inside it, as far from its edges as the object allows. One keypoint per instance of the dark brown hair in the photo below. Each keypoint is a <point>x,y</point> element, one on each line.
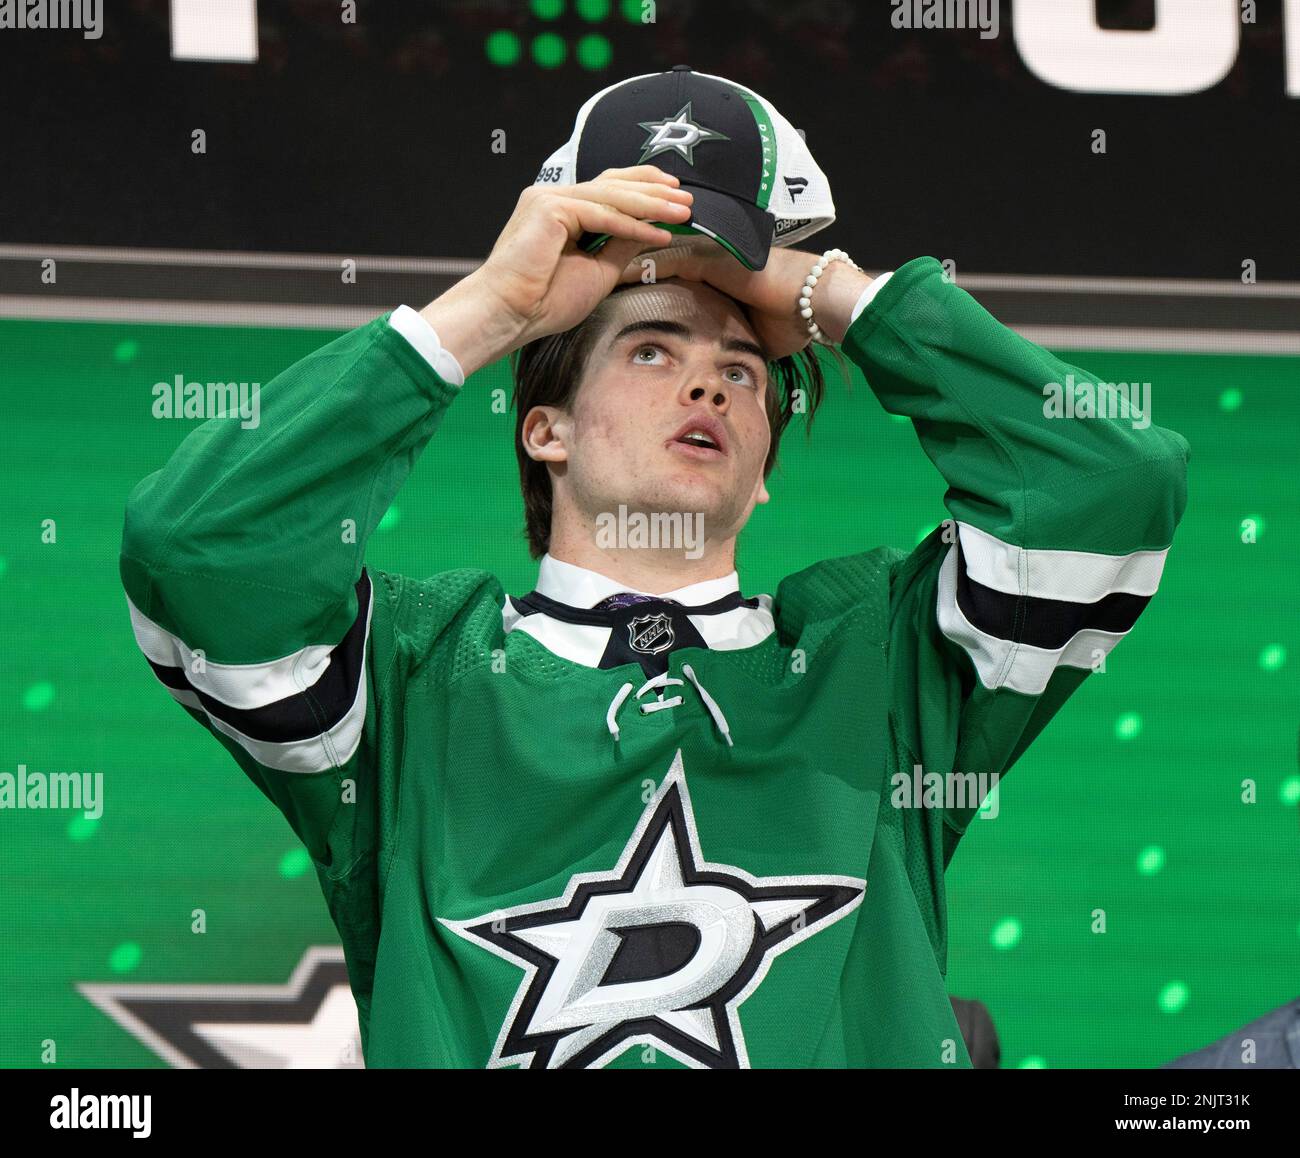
<point>548,371</point>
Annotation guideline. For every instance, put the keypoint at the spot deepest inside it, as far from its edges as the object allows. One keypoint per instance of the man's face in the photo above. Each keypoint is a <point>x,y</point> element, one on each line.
<point>669,359</point>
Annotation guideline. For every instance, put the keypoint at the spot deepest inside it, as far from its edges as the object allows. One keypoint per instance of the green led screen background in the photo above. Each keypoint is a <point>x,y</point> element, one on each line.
<point>1131,802</point>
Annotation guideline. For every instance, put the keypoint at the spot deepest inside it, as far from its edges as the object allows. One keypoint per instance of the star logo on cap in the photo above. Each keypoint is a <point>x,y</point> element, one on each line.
<point>679,134</point>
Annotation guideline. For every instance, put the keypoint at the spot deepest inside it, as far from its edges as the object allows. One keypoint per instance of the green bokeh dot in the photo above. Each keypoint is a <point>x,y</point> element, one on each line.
<point>594,53</point>
<point>1006,934</point>
<point>549,50</point>
<point>1230,399</point>
<point>391,518</point>
<point>39,696</point>
<point>4,565</point>
<point>125,957</point>
<point>1034,1062</point>
<point>1290,792</point>
<point>1173,997</point>
<point>82,827</point>
<point>1272,657</point>
<point>1128,726</point>
<point>126,350</point>
<point>1151,860</point>
<point>632,10</point>
<point>1258,520</point>
<point>502,48</point>
<point>547,9</point>
<point>294,863</point>
<point>593,10</point>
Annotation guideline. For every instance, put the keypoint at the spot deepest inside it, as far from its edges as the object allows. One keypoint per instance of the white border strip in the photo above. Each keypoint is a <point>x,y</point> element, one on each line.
<point>1178,287</point>
<point>239,259</point>
<point>148,310</point>
<point>327,317</point>
<point>1155,341</point>
<point>1030,283</point>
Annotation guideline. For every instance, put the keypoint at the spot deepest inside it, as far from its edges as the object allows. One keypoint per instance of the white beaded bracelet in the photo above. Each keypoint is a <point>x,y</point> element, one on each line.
<point>810,283</point>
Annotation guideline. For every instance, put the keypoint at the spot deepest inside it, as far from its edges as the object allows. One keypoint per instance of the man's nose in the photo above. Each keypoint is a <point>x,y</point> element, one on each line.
<point>698,389</point>
<point>716,395</point>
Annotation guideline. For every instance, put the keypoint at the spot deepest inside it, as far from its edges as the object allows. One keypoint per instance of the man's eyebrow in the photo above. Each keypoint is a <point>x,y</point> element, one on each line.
<point>678,330</point>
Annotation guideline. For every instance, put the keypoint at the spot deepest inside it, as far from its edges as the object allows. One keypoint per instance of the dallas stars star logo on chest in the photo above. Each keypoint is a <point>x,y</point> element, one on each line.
<point>662,950</point>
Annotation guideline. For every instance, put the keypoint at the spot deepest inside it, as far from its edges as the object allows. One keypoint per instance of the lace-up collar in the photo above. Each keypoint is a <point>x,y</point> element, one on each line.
<point>561,613</point>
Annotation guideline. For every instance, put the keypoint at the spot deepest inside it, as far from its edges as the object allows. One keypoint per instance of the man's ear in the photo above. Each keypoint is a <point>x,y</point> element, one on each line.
<point>760,491</point>
<point>545,434</point>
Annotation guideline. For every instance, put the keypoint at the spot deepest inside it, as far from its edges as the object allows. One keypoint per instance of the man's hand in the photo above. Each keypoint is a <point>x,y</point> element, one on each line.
<point>772,293</point>
<point>536,281</point>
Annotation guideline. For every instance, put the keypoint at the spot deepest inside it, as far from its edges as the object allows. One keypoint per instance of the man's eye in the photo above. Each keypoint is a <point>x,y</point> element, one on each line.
<point>749,379</point>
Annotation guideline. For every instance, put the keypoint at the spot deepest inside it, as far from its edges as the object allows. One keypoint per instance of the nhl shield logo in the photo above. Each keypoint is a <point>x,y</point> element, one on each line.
<point>650,634</point>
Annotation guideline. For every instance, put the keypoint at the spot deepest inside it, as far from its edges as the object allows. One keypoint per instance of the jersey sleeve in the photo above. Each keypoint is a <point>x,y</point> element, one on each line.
<point>242,561</point>
<point>1057,539</point>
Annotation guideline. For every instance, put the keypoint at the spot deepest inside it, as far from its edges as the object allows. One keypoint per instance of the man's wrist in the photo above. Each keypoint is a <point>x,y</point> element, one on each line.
<point>836,293</point>
<point>473,323</point>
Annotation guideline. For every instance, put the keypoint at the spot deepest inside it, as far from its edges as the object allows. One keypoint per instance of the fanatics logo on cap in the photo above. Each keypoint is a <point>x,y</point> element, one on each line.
<point>679,134</point>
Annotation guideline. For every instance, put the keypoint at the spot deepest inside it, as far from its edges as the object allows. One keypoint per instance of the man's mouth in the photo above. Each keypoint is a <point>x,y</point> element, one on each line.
<point>701,438</point>
<point>698,438</point>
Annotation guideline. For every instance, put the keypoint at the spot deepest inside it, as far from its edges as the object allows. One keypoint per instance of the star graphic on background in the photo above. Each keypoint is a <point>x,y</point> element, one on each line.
<point>308,1023</point>
<point>662,950</point>
<point>679,134</point>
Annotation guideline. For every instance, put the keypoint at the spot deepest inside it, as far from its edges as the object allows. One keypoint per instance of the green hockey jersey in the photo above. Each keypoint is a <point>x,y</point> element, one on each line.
<point>554,835</point>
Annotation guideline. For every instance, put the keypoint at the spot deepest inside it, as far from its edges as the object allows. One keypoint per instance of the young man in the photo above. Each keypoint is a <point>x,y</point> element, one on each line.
<point>634,818</point>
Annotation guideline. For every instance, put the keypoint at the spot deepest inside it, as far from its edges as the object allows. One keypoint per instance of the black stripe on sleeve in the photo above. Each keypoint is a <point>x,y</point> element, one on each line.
<point>170,676</point>
<point>308,713</point>
<point>1046,623</point>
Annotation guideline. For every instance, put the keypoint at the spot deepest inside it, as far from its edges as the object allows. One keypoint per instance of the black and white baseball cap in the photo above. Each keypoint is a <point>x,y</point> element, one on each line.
<point>755,182</point>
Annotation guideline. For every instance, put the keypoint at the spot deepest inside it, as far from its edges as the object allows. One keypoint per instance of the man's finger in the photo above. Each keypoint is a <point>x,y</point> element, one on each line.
<point>616,253</point>
<point>644,173</point>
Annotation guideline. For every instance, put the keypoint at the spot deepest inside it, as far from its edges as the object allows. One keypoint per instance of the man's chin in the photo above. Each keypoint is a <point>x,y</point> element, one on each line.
<point>702,501</point>
<point>693,492</point>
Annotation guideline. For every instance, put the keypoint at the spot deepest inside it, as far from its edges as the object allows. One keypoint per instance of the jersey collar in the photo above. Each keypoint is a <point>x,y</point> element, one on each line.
<point>581,587</point>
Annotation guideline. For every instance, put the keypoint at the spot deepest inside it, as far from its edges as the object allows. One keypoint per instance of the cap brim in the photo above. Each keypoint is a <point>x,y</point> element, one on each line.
<point>743,229</point>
